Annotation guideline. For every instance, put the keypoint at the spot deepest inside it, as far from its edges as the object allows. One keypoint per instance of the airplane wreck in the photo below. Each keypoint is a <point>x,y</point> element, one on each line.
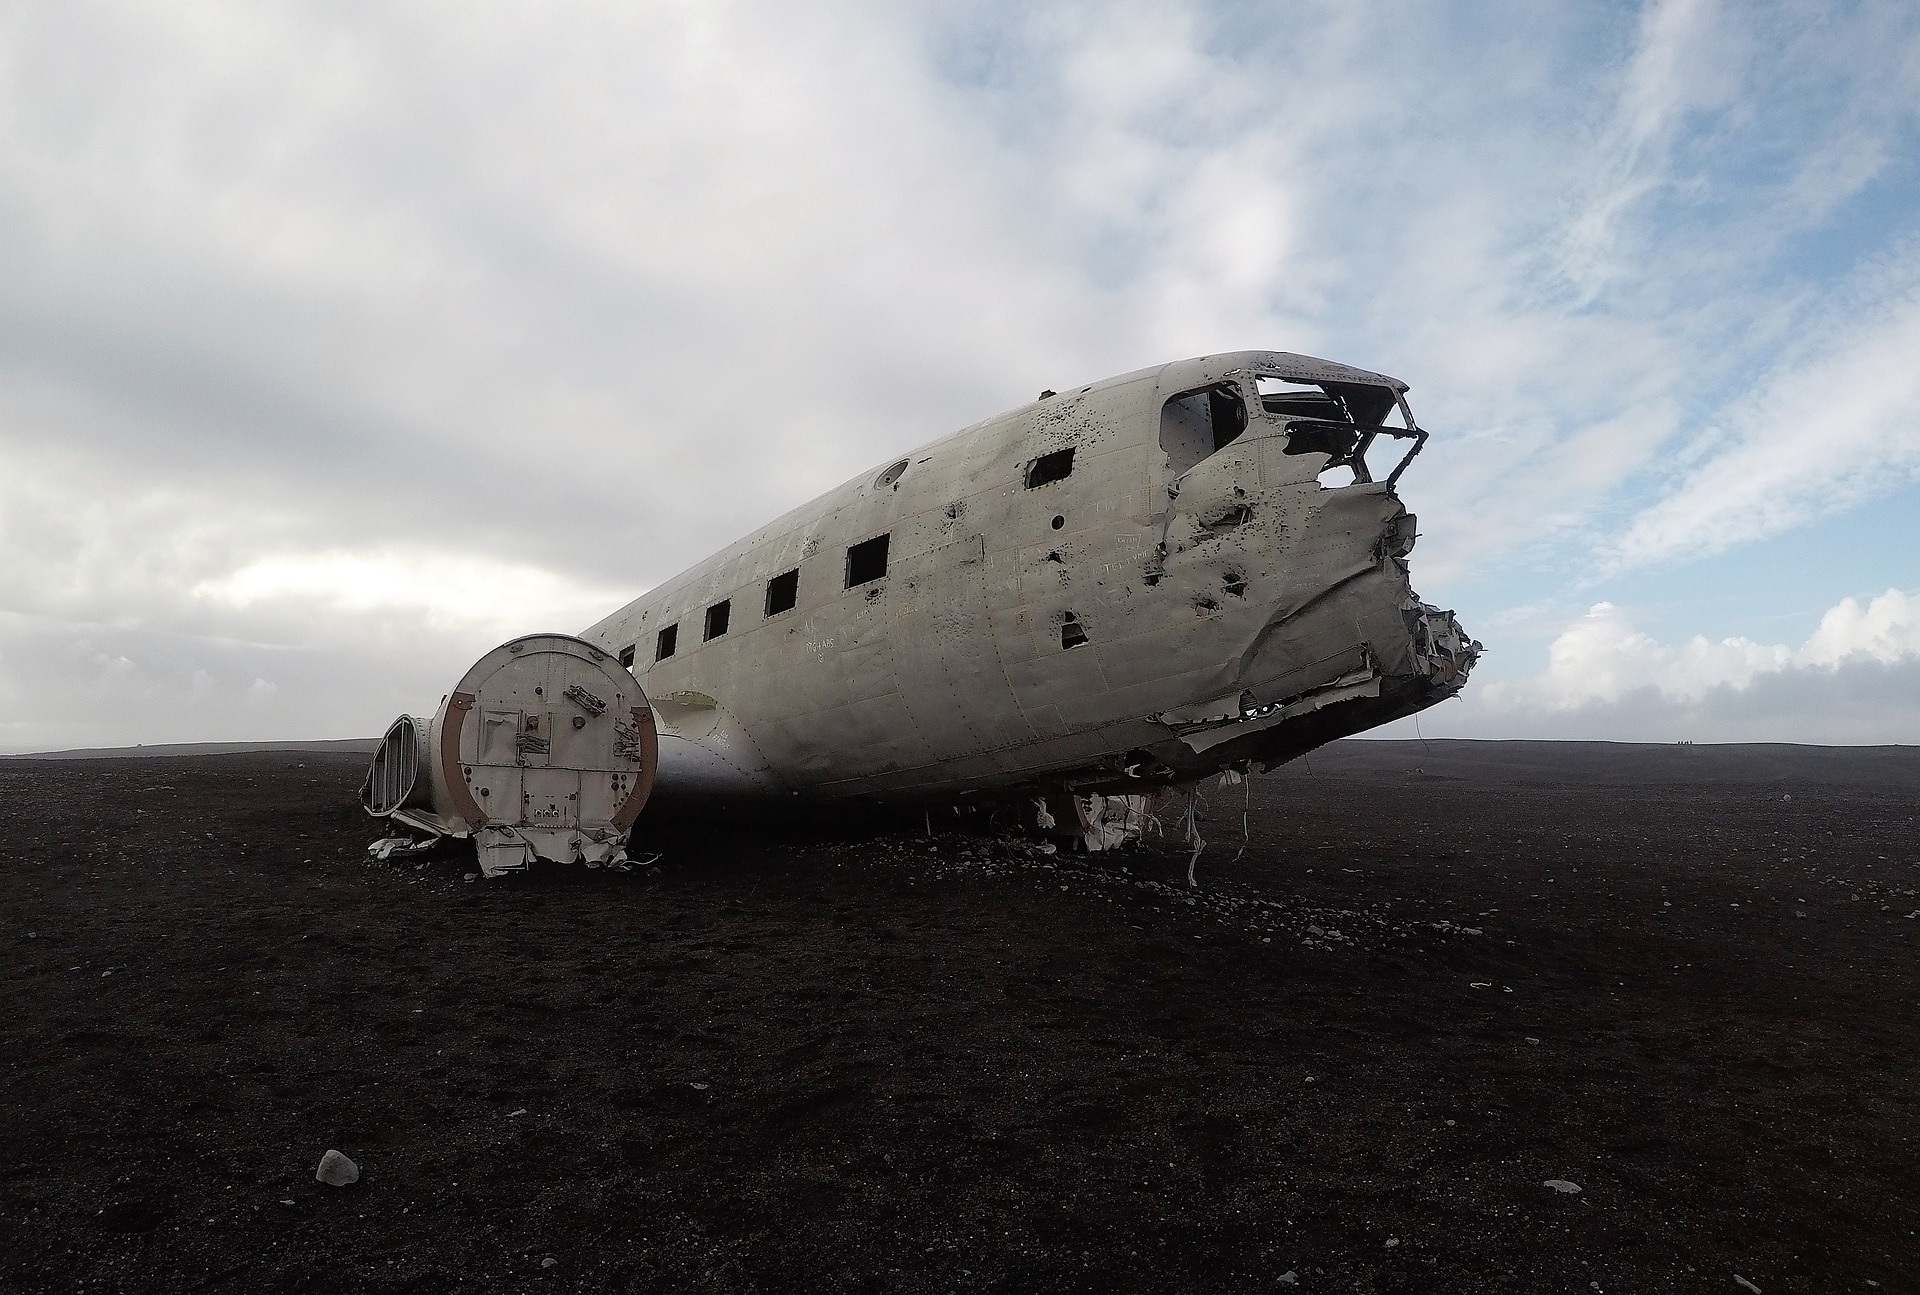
<point>1190,569</point>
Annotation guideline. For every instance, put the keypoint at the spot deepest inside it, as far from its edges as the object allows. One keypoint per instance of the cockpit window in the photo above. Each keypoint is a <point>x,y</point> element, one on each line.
<point>1297,400</point>
<point>1351,423</point>
<point>1194,424</point>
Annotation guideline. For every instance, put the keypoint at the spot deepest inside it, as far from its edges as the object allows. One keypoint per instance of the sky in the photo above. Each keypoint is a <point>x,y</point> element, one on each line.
<point>340,342</point>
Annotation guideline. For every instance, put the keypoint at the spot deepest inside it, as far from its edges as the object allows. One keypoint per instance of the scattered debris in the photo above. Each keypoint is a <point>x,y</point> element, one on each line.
<point>336,1170</point>
<point>1288,1278</point>
<point>514,1115</point>
<point>1562,1186</point>
<point>1112,877</point>
<point>548,1262</point>
<point>1738,1280</point>
<point>389,846</point>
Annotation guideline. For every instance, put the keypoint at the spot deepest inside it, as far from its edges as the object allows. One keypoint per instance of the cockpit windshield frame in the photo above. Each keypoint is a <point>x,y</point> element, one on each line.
<point>1359,412</point>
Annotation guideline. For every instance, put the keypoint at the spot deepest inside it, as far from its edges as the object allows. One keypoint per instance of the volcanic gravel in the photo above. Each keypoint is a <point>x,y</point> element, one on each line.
<point>1436,1017</point>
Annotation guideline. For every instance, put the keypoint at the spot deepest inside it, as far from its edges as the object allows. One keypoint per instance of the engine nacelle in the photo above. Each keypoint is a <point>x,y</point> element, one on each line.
<point>546,749</point>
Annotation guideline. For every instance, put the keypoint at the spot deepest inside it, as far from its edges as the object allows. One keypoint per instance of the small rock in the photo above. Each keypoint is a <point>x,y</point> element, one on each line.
<point>1562,1186</point>
<point>336,1170</point>
<point>1392,1242</point>
<point>548,1262</point>
<point>1288,1278</point>
<point>472,876</point>
<point>699,1088</point>
<point>1531,1039</point>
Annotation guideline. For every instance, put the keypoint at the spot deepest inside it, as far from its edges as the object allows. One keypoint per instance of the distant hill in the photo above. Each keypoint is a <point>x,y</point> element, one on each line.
<point>1615,764</point>
<point>334,746</point>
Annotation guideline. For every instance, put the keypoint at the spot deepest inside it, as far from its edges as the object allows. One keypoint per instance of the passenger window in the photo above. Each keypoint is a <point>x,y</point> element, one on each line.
<point>626,656</point>
<point>717,619</point>
<point>1196,423</point>
<point>783,591</point>
<point>664,645</point>
<point>1048,468</point>
<point>867,561</point>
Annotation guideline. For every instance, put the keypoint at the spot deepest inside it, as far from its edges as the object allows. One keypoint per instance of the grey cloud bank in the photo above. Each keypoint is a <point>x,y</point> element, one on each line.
<point>339,343</point>
<point>1865,703</point>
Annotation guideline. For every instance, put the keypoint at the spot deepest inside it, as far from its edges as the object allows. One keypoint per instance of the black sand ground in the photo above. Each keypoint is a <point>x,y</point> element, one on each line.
<point>901,1063</point>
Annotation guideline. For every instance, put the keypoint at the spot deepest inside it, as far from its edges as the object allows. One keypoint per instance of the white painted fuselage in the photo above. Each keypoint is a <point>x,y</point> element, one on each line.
<point>1189,589</point>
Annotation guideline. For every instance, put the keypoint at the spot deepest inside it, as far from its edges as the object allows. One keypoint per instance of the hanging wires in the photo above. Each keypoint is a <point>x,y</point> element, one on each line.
<point>1194,842</point>
<point>1246,805</point>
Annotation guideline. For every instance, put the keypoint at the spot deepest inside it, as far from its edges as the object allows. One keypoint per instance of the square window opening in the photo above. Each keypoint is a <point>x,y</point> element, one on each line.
<point>1072,633</point>
<point>717,616</point>
<point>626,656</point>
<point>867,561</point>
<point>1049,468</point>
<point>783,591</point>
<point>667,642</point>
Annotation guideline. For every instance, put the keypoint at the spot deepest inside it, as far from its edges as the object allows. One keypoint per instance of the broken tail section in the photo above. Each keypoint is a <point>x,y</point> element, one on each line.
<point>546,750</point>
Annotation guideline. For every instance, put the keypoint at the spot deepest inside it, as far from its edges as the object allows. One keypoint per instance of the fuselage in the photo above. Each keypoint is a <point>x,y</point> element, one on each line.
<point>1144,580</point>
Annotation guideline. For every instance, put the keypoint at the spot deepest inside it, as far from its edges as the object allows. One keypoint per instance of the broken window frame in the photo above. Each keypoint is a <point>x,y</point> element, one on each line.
<point>626,655</point>
<point>666,642</point>
<point>860,560</point>
<point>1354,457</point>
<point>718,617</point>
<point>1227,398</point>
<point>783,589</point>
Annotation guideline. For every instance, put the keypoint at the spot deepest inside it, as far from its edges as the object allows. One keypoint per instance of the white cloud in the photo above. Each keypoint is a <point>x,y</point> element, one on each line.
<point>440,589</point>
<point>1827,428</point>
<point>1602,658</point>
<point>1887,629</point>
<point>1854,680</point>
<point>1685,60</point>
